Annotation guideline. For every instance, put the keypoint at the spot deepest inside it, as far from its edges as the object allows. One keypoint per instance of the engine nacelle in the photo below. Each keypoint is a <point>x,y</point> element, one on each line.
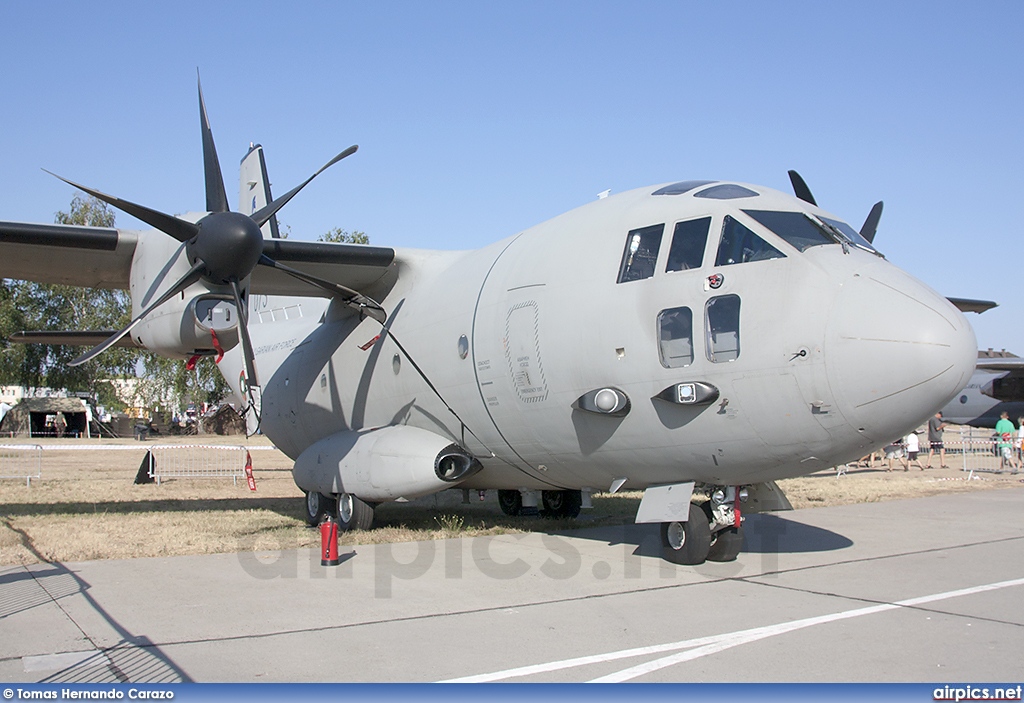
<point>383,464</point>
<point>182,326</point>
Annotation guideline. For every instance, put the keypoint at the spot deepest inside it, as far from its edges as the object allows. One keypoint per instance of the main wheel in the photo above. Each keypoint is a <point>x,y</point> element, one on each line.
<point>511,502</point>
<point>317,507</point>
<point>687,542</point>
<point>353,513</point>
<point>559,504</point>
<point>726,544</point>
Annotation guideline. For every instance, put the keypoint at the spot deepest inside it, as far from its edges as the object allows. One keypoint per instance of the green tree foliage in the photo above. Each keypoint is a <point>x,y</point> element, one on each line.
<point>168,384</point>
<point>339,235</point>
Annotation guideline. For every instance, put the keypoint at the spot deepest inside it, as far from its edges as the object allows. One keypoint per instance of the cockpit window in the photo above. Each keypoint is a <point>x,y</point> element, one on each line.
<point>641,253</point>
<point>739,245</point>
<point>680,187</point>
<point>850,233</point>
<point>726,191</point>
<point>795,227</point>
<point>688,242</point>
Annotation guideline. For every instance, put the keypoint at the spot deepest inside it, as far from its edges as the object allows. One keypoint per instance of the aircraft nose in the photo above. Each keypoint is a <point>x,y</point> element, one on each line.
<point>897,352</point>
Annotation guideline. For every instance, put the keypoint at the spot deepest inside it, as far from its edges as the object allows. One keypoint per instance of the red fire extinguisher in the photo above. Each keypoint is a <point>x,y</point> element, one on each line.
<point>329,543</point>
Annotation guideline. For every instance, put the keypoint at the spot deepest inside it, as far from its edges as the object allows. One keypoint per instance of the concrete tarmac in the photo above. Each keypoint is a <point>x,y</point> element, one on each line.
<point>923,590</point>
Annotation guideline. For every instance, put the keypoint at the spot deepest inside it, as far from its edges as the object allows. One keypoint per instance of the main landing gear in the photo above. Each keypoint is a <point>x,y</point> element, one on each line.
<point>350,512</point>
<point>710,533</point>
<point>554,504</point>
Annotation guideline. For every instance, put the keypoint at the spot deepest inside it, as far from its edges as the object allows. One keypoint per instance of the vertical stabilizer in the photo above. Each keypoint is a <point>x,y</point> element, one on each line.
<point>254,188</point>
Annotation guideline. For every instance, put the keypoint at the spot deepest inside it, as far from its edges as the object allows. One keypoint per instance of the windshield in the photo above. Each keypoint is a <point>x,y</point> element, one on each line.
<point>796,228</point>
<point>803,230</point>
<point>851,234</point>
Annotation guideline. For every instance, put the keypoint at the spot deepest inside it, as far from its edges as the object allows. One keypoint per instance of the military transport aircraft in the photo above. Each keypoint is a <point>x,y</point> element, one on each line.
<point>997,386</point>
<point>696,339</point>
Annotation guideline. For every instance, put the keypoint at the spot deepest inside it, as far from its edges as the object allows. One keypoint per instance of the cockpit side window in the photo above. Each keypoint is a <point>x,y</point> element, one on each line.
<point>795,227</point>
<point>722,320</point>
<point>675,337</point>
<point>641,253</point>
<point>739,245</point>
<point>688,242</point>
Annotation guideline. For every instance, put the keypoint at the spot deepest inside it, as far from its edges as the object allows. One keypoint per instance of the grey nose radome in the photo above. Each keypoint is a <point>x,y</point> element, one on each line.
<point>897,352</point>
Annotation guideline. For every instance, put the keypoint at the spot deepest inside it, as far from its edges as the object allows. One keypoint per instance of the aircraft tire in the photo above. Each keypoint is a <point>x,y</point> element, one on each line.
<point>353,513</point>
<point>316,507</point>
<point>561,504</point>
<point>687,542</point>
<point>726,545</point>
<point>511,502</point>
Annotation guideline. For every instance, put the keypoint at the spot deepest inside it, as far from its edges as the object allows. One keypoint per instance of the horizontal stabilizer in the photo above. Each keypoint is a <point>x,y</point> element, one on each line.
<point>71,338</point>
<point>969,305</point>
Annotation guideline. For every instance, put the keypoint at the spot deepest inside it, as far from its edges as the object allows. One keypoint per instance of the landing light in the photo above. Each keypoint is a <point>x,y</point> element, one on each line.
<point>604,401</point>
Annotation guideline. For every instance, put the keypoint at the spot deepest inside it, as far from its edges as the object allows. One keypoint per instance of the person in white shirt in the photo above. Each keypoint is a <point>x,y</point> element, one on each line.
<point>913,447</point>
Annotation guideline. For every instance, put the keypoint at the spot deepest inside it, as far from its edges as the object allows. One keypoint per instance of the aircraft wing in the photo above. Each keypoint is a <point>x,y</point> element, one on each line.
<point>72,338</point>
<point>356,266</point>
<point>1012,363</point>
<point>90,257</point>
<point>101,257</point>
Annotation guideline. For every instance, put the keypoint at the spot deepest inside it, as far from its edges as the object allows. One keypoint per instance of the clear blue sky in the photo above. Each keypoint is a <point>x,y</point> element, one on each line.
<point>478,119</point>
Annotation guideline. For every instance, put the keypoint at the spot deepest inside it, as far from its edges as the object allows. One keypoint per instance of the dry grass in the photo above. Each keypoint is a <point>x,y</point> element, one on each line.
<point>86,506</point>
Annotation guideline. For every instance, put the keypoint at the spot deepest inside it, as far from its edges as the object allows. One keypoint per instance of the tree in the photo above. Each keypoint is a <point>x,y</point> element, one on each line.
<point>339,235</point>
<point>168,384</point>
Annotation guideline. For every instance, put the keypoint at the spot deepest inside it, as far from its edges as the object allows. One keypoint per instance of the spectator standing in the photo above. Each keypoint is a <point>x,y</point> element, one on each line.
<point>1005,432</point>
<point>935,425</point>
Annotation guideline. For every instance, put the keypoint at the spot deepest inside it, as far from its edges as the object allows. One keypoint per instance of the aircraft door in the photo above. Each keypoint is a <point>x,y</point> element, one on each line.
<point>510,363</point>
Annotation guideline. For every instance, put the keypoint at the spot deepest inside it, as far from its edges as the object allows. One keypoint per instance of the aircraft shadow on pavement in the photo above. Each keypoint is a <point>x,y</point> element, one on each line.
<point>133,659</point>
<point>763,533</point>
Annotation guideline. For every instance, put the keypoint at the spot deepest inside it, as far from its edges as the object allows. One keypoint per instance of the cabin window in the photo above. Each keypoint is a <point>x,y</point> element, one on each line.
<point>688,242</point>
<point>740,245</point>
<point>722,318</point>
<point>675,337</point>
<point>795,227</point>
<point>641,253</point>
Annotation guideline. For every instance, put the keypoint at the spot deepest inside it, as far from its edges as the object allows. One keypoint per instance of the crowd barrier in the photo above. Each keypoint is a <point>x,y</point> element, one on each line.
<point>198,461</point>
<point>21,461</point>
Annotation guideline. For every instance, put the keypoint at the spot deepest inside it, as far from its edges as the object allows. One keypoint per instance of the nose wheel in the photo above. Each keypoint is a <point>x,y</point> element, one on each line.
<point>687,542</point>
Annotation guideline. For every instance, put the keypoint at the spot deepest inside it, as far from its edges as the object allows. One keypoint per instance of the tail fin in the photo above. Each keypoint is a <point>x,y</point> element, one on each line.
<point>254,188</point>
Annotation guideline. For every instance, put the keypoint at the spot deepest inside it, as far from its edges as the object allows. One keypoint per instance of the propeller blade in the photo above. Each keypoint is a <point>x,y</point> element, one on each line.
<point>800,188</point>
<point>243,337</point>
<point>354,299</point>
<point>193,275</point>
<point>871,224</point>
<point>268,211</point>
<point>168,224</point>
<point>216,196</point>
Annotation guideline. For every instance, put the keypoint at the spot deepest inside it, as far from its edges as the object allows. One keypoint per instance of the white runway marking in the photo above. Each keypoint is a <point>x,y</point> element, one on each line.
<point>704,646</point>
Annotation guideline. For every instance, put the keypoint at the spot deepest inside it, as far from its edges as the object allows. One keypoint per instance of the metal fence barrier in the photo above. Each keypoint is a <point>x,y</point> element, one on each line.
<point>198,461</point>
<point>979,451</point>
<point>21,461</point>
